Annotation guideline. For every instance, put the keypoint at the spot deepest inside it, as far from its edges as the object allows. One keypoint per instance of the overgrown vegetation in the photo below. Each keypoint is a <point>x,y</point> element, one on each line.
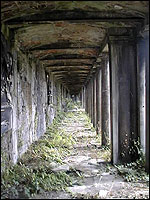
<point>135,171</point>
<point>33,172</point>
<point>70,104</point>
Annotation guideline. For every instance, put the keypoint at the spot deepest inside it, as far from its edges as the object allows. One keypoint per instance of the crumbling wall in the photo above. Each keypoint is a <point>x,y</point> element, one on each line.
<point>32,101</point>
<point>6,102</point>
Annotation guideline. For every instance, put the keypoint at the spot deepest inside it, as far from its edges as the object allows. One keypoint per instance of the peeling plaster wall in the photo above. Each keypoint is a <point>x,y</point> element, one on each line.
<point>31,113</point>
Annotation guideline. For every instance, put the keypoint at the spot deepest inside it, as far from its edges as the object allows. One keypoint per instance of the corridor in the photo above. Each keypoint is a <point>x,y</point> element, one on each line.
<point>93,55</point>
<point>69,162</point>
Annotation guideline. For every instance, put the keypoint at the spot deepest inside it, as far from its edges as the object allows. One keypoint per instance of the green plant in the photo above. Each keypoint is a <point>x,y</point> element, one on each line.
<point>134,171</point>
<point>69,104</point>
<point>33,171</point>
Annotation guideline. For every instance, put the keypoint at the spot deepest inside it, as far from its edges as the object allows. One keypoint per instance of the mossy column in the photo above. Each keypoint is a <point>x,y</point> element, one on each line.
<point>91,100</point>
<point>88,91</point>
<point>94,100</point>
<point>98,99</point>
<point>83,97</point>
<point>105,98</point>
<point>123,72</point>
<point>84,88</point>
<point>86,99</point>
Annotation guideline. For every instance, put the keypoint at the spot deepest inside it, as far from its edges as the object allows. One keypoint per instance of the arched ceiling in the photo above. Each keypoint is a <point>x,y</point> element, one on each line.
<point>68,36</point>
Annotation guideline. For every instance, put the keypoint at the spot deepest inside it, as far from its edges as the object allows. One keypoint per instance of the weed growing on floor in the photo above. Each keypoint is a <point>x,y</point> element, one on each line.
<point>105,153</point>
<point>23,180</point>
<point>33,172</point>
<point>70,104</point>
<point>135,171</point>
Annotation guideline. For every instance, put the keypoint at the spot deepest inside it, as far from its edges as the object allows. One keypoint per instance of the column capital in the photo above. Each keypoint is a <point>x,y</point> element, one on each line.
<point>144,33</point>
<point>121,34</point>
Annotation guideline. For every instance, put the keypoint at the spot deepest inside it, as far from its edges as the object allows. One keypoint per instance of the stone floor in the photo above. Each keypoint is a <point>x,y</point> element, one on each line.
<point>99,178</point>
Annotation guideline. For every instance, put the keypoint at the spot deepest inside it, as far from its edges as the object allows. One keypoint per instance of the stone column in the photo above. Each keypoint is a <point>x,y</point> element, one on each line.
<point>94,101</point>
<point>91,99</point>
<point>141,76</point>
<point>123,94</point>
<point>83,95</point>
<point>86,98</point>
<point>105,100</point>
<point>98,100</point>
<point>147,102</point>
<point>143,90</point>
<point>86,101</point>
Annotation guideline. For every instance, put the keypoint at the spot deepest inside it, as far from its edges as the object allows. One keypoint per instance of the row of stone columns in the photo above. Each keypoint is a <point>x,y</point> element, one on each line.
<point>97,99</point>
<point>116,96</point>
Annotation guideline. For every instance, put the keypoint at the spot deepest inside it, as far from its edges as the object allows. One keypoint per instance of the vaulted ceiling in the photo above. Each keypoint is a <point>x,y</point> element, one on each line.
<point>68,36</point>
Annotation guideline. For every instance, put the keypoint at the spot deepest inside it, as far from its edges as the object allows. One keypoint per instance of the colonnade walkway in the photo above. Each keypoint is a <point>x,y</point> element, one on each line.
<point>68,162</point>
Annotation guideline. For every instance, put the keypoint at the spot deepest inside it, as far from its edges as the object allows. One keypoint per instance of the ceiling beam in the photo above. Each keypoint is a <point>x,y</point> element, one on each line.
<point>66,62</point>
<point>75,16</point>
<point>68,67</point>
<point>46,47</point>
<point>67,56</point>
